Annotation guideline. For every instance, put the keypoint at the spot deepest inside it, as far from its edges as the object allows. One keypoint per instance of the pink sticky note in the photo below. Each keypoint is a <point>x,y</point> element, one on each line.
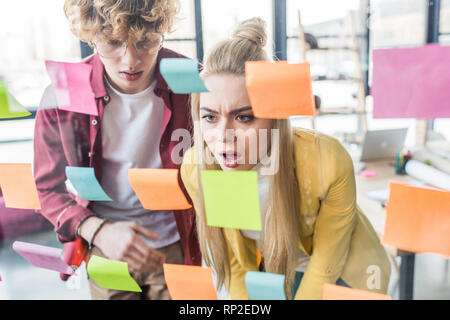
<point>368,173</point>
<point>43,256</point>
<point>411,82</point>
<point>72,86</point>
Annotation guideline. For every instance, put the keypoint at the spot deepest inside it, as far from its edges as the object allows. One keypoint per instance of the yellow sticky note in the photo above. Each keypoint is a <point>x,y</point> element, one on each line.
<point>111,274</point>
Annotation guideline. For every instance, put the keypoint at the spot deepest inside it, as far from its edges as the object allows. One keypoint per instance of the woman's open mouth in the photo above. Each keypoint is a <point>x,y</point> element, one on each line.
<point>231,159</point>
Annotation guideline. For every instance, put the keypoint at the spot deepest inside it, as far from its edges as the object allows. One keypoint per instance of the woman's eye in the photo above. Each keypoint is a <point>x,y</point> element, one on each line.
<point>245,118</point>
<point>209,118</point>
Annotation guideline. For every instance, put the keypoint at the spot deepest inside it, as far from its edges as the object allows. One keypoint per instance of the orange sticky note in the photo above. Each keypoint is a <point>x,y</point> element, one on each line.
<point>18,186</point>
<point>158,189</point>
<point>335,292</point>
<point>189,282</point>
<point>417,219</point>
<point>278,90</point>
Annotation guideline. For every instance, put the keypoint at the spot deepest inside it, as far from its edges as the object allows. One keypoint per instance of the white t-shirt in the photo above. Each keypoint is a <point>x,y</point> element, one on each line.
<point>263,190</point>
<point>131,129</point>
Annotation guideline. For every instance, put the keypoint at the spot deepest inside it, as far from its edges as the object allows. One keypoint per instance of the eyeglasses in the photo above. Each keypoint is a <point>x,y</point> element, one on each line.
<point>110,48</point>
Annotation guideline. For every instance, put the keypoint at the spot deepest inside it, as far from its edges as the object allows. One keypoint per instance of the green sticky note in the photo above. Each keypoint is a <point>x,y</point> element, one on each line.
<point>182,75</point>
<point>9,106</point>
<point>111,274</point>
<point>231,199</point>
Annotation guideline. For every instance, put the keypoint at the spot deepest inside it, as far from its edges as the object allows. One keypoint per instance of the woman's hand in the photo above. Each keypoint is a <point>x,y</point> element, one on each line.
<point>122,241</point>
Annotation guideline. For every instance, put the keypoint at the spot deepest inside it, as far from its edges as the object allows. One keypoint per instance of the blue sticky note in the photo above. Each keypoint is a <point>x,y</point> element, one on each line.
<point>265,286</point>
<point>85,183</point>
<point>182,75</point>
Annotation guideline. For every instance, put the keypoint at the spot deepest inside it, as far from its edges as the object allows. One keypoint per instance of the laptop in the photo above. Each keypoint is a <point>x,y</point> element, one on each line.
<point>382,144</point>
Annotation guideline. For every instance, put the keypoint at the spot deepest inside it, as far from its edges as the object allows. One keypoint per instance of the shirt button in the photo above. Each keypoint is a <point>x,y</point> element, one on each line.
<point>94,122</point>
<point>106,98</point>
<point>328,271</point>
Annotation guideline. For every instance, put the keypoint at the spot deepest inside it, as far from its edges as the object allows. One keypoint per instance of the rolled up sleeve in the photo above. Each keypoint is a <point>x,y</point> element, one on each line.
<point>58,206</point>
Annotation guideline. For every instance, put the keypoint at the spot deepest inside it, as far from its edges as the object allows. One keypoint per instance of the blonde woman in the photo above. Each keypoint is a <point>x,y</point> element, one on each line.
<point>313,231</point>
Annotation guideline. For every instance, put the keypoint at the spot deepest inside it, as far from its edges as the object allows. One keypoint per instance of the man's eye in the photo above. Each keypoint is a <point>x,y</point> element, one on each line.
<point>143,45</point>
<point>209,118</point>
<point>245,118</point>
<point>114,43</point>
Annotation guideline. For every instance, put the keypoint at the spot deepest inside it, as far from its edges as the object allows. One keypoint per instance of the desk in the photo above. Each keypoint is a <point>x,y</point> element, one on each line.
<point>377,215</point>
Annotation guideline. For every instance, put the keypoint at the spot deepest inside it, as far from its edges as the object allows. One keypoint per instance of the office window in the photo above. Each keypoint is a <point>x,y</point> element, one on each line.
<point>328,22</point>
<point>31,32</point>
<point>399,23</point>
<point>182,39</point>
<point>443,125</point>
<point>445,22</point>
<point>220,18</point>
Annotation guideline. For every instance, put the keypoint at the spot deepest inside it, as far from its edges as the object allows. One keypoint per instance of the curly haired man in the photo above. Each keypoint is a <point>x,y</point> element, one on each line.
<point>137,114</point>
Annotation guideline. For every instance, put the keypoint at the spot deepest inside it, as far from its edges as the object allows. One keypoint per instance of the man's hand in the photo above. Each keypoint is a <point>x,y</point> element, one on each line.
<point>122,241</point>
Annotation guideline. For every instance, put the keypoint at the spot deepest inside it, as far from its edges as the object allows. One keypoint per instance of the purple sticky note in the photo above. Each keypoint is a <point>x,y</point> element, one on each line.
<point>43,256</point>
<point>411,82</point>
<point>72,86</point>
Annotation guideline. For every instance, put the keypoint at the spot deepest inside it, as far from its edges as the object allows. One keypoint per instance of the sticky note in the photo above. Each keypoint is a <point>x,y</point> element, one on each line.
<point>265,286</point>
<point>368,173</point>
<point>43,256</point>
<point>85,183</point>
<point>18,186</point>
<point>279,90</point>
<point>111,274</point>
<point>182,75</point>
<point>335,292</point>
<point>417,219</point>
<point>231,199</point>
<point>72,86</point>
<point>189,282</point>
<point>411,82</point>
<point>158,189</point>
<point>9,106</point>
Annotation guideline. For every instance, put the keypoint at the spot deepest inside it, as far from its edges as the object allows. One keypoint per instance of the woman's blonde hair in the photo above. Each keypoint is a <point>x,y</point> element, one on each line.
<point>120,19</point>
<point>280,226</point>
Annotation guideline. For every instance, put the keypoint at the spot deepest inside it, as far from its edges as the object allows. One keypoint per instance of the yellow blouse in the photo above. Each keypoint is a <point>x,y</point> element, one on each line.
<point>335,233</point>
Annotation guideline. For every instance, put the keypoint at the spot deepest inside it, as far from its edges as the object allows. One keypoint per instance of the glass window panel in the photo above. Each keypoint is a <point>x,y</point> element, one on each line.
<point>398,23</point>
<point>31,32</point>
<point>185,22</point>
<point>445,16</point>
<point>220,17</point>
<point>445,22</point>
<point>442,126</point>
<point>187,48</point>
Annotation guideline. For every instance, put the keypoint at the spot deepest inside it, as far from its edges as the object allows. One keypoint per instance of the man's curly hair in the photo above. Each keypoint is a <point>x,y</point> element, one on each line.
<point>120,19</point>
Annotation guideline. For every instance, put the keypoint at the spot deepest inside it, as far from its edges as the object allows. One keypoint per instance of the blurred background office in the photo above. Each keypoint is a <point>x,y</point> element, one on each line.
<point>336,37</point>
